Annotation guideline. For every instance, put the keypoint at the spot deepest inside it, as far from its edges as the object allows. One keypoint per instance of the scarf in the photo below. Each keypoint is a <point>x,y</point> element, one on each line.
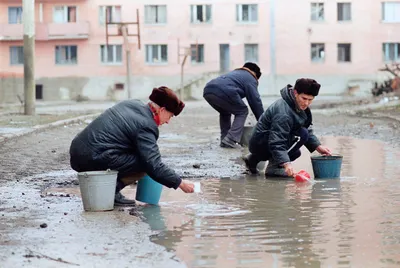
<point>156,116</point>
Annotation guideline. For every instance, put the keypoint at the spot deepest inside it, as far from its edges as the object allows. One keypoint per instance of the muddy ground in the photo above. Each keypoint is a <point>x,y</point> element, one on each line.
<point>38,229</point>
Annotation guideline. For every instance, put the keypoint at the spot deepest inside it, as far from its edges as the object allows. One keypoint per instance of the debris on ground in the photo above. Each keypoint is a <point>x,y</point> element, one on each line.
<point>33,254</point>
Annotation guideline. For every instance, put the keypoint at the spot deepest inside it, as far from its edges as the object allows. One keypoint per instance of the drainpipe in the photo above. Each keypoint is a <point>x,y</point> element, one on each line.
<point>272,9</point>
<point>41,12</point>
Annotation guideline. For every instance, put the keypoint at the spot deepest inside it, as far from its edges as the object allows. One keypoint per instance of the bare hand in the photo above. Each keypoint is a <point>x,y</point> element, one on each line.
<point>289,169</point>
<point>187,187</point>
<point>324,150</point>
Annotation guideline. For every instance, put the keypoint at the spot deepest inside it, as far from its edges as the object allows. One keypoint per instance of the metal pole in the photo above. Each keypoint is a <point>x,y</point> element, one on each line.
<point>28,7</point>
<point>272,8</point>
<point>179,51</point>
<point>138,28</point>
<point>182,85</point>
<point>128,71</point>
<point>124,30</point>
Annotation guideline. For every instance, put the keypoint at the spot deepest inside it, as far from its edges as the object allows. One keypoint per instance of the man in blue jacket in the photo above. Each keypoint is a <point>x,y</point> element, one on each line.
<point>225,94</point>
<point>124,138</point>
<point>283,128</point>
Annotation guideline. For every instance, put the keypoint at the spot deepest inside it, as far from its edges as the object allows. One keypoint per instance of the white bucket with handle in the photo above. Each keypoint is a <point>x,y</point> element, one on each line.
<point>98,189</point>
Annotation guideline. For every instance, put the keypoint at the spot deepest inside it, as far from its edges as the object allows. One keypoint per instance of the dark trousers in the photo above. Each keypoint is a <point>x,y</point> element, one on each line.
<point>81,161</point>
<point>123,179</point>
<point>261,153</point>
<point>227,107</point>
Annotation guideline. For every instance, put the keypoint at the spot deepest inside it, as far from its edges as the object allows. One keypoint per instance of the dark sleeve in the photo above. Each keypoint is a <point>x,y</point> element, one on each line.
<point>151,158</point>
<point>313,142</point>
<point>278,138</point>
<point>254,99</point>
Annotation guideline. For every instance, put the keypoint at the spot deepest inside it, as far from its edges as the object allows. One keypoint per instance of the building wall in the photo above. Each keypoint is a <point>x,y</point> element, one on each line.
<point>294,33</point>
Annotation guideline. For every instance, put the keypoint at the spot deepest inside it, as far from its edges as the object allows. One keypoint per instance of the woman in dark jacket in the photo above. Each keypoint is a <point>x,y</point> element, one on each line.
<point>285,124</point>
<point>124,138</point>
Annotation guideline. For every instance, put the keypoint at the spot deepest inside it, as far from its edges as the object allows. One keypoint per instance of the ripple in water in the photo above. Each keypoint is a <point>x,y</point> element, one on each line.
<point>253,222</point>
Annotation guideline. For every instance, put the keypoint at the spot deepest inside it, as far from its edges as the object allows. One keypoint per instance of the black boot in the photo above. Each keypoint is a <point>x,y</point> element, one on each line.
<point>121,200</point>
<point>251,164</point>
<point>228,143</point>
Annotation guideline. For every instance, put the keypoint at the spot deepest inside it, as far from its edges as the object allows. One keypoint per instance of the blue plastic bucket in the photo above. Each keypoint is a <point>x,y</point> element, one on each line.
<point>148,191</point>
<point>327,167</point>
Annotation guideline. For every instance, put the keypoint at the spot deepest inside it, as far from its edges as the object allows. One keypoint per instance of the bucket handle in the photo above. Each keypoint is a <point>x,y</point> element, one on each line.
<point>87,176</point>
<point>334,155</point>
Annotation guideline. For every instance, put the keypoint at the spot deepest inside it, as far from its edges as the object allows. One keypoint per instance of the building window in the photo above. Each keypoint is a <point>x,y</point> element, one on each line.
<point>317,52</point>
<point>155,14</point>
<point>317,12</point>
<point>14,15</point>
<point>247,13</point>
<point>344,52</point>
<point>119,86</point>
<point>391,52</point>
<point>200,13</point>
<point>391,11</point>
<point>66,55</point>
<point>251,53</point>
<point>64,14</point>
<point>16,55</point>
<point>39,91</point>
<point>156,53</point>
<point>111,53</point>
<point>113,14</point>
<point>343,11</point>
<point>197,53</point>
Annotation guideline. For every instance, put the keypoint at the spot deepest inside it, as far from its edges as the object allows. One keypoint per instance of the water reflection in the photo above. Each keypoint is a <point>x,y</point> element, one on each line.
<point>253,222</point>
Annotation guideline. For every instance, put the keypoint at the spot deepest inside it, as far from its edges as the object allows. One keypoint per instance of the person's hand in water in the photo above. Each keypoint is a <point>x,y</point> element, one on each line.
<point>186,186</point>
<point>324,150</point>
<point>289,169</point>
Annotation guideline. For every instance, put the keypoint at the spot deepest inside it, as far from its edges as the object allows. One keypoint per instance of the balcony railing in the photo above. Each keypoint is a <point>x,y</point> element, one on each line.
<point>47,31</point>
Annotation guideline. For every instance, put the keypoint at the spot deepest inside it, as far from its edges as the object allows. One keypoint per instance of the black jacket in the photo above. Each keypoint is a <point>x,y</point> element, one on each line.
<point>123,138</point>
<point>237,82</point>
<point>277,127</point>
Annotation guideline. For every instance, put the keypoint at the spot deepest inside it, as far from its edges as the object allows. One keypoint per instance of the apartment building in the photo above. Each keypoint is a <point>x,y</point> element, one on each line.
<point>338,43</point>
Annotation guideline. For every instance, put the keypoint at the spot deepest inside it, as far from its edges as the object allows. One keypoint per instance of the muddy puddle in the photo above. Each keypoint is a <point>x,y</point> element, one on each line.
<point>250,221</point>
<point>254,222</point>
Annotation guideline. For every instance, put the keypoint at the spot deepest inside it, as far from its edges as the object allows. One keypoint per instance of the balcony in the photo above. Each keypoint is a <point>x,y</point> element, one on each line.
<point>46,31</point>
<point>76,30</point>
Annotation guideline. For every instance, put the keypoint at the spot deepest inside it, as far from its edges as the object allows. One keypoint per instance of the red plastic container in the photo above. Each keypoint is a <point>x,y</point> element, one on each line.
<point>302,176</point>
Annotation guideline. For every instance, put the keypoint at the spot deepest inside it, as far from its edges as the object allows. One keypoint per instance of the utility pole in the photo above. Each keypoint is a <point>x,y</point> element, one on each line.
<point>28,9</point>
<point>272,8</point>
<point>182,95</point>
<point>124,32</point>
<point>185,54</point>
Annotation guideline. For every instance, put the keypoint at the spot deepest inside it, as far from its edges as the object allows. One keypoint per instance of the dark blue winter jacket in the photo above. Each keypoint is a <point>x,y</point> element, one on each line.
<point>277,128</point>
<point>238,82</point>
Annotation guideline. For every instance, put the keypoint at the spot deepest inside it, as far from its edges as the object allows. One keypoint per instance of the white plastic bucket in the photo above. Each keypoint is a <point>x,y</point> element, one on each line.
<point>98,189</point>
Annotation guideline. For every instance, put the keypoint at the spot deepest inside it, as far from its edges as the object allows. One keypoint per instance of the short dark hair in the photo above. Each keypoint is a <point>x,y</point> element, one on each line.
<point>253,67</point>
